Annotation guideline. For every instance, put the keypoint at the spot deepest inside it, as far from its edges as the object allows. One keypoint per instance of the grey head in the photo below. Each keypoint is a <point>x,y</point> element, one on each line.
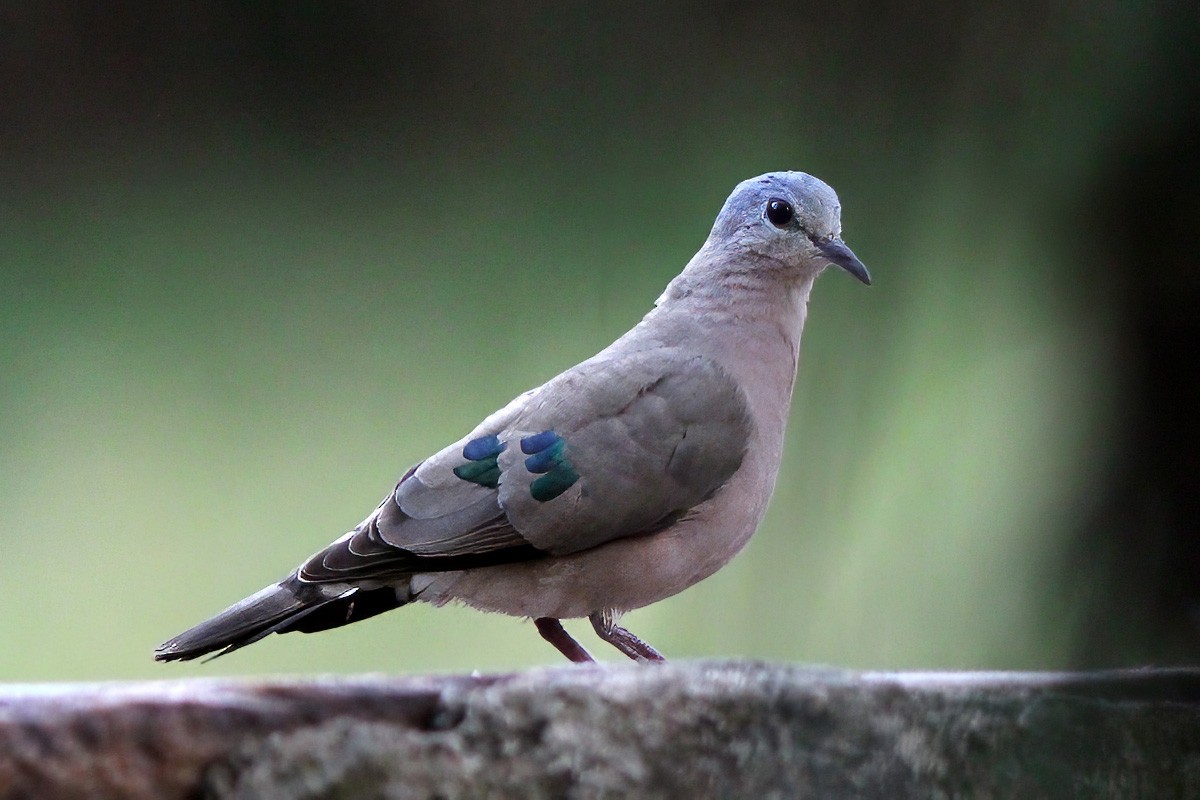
<point>790,218</point>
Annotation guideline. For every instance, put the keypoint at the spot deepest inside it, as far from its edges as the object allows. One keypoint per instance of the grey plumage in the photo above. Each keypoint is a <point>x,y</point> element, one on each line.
<point>617,483</point>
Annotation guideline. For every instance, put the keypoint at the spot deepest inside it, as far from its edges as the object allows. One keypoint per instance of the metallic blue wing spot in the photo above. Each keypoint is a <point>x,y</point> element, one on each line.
<point>546,458</point>
<point>539,441</point>
<point>552,485</point>
<point>481,455</point>
<point>483,447</point>
<point>485,473</point>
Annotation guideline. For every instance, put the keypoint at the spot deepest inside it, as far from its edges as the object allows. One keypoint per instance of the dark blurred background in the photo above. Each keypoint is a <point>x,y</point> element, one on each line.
<point>257,259</point>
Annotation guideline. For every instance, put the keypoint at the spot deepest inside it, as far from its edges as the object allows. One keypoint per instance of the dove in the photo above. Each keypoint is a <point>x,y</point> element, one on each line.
<point>618,483</point>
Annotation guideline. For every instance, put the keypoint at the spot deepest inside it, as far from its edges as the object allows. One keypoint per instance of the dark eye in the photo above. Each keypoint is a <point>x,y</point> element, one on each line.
<point>779,212</point>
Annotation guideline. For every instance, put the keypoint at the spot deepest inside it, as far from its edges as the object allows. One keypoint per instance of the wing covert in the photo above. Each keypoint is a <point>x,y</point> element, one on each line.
<point>615,447</point>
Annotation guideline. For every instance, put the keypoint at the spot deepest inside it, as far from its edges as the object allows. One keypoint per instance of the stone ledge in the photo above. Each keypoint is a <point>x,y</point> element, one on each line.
<point>699,729</point>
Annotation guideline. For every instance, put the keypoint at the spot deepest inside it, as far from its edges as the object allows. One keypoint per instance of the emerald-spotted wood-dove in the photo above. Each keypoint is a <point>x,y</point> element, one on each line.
<point>622,481</point>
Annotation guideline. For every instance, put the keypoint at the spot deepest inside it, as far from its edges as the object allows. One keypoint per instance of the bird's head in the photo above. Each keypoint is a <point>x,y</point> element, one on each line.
<point>788,217</point>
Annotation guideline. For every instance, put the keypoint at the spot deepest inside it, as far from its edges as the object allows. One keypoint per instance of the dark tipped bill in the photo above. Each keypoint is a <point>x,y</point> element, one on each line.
<point>838,253</point>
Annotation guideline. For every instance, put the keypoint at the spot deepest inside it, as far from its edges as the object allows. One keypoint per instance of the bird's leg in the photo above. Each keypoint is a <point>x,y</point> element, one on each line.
<point>552,631</point>
<point>607,629</point>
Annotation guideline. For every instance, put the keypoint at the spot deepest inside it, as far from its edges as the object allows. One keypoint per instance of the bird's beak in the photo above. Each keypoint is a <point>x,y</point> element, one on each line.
<point>838,253</point>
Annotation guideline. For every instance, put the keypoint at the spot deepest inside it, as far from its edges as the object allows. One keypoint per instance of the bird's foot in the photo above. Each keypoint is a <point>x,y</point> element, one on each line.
<point>607,629</point>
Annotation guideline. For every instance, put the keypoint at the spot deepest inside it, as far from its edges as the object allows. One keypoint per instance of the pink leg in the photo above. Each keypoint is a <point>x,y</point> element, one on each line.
<point>552,631</point>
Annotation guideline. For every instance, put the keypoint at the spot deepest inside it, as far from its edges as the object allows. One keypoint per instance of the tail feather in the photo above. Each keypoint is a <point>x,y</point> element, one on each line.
<point>284,607</point>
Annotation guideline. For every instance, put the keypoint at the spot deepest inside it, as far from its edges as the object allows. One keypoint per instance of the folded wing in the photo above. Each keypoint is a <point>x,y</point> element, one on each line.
<point>615,447</point>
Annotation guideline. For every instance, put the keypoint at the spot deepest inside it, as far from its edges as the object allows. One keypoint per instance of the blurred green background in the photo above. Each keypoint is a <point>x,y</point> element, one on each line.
<point>256,261</point>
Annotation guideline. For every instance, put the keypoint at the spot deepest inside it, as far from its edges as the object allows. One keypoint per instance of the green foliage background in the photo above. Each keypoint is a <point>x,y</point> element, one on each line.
<point>254,265</point>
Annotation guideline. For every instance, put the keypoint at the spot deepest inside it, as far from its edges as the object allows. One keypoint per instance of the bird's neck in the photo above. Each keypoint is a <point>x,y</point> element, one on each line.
<point>746,301</point>
<point>752,316</point>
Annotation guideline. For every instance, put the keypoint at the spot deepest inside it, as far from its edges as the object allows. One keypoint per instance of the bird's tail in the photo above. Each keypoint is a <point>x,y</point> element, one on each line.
<point>286,606</point>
